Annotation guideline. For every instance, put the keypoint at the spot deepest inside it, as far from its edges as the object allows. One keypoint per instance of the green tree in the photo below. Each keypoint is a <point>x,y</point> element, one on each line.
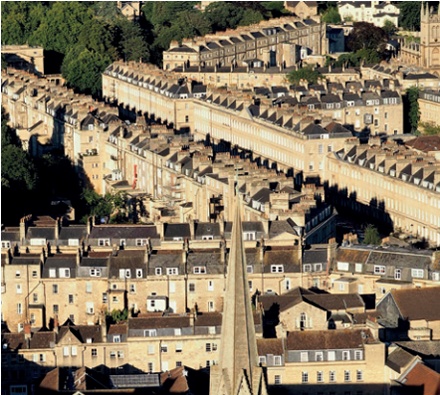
<point>389,28</point>
<point>430,128</point>
<point>366,36</point>
<point>372,235</point>
<point>305,73</point>
<point>412,94</point>
<point>62,26</point>
<point>409,17</point>
<point>331,15</point>
<point>116,316</point>
<point>132,44</point>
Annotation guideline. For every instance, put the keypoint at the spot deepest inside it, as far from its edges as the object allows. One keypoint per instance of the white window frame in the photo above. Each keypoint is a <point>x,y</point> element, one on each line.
<point>177,331</point>
<point>73,242</point>
<point>304,377</point>
<point>277,360</point>
<point>18,289</point>
<point>347,376</point>
<point>379,269</point>
<point>64,272</point>
<point>249,269</point>
<point>172,271</point>
<point>345,355</point>
<point>332,376</point>
<point>210,285</point>
<point>331,355</point>
<point>158,271</point>
<point>358,355</point>
<point>52,273</point>
<point>319,356</point>
<point>417,273</point>
<point>307,267</point>
<point>319,376</point>
<point>358,267</point>
<point>104,242</point>
<point>304,356</point>
<point>359,375</point>
<point>95,272</point>
<point>116,338</point>
<point>262,359</point>
<point>199,269</point>
<point>277,268</point>
<point>6,244</point>
<point>141,242</point>
<point>151,332</point>
<point>139,273</point>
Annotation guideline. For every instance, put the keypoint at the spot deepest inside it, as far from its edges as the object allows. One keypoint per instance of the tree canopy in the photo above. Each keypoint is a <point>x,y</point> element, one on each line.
<point>366,36</point>
<point>331,15</point>
<point>372,235</point>
<point>412,94</point>
<point>409,17</point>
<point>305,73</point>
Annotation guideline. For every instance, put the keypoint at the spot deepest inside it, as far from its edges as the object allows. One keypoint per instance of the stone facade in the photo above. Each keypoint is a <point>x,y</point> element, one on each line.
<point>375,12</point>
<point>279,42</point>
<point>426,53</point>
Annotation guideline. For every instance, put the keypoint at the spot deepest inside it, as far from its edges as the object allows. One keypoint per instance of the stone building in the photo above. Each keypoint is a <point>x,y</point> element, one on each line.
<point>278,42</point>
<point>303,9</point>
<point>375,12</point>
<point>429,107</point>
<point>403,176</point>
<point>426,53</point>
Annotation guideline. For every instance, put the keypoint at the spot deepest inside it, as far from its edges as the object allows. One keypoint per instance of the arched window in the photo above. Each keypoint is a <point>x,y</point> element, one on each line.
<point>435,59</point>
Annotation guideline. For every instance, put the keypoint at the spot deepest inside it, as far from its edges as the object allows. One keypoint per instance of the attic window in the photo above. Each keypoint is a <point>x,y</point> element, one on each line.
<point>6,244</point>
<point>379,269</point>
<point>73,242</point>
<point>207,237</point>
<point>104,242</point>
<point>95,272</point>
<point>307,267</point>
<point>141,242</point>
<point>249,235</point>
<point>277,268</point>
<point>199,270</point>
<point>64,272</point>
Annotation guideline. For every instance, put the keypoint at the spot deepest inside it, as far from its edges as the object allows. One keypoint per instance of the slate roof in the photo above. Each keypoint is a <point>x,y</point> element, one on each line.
<point>158,322</point>
<point>126,259</point>
<point>11,235</point>
<point>398,259</point>
<point>118,329</point>
<point>210,259</point>
<point>329,339</point>
<point>207,229</point>
<point>418,303</point>
<point>352,255</point>
<point>399,359</point>
<point>124,232</point>
<point>81,332</point>
<point>177,230</point>
<point>270,347</point>
<point>15,341</point>
<point>166,258</point>
<point>277,228</point>
<point>41,233</point>
<point>208,319</point>
<point>60,261</point>
<point>73,232</point>
<point>423,348</point>
<point>335,301</point>
<point>288,257</point>
<point>43,339</point>
<point>315,256</point>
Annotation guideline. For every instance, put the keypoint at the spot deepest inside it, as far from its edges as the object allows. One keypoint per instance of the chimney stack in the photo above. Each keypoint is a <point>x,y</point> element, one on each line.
<point>27,330</point>
<point>57,228</point>
<point>103,324</point>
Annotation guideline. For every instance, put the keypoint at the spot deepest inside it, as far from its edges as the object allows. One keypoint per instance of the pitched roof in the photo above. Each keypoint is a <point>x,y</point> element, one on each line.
<point>158,322</point>
<point>270,346</point>
<point>329,339</point>
<point>335,301</point>
<point>124,232</point>
<point>398,359</point>
<point>418,303</point>
<point>352,255</point>
<point>422,375</point>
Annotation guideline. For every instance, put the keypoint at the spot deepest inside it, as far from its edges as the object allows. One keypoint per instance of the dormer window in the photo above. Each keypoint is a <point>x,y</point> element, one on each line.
<point>172,271</point>
<point>249,235</point>
<point>141,242</point>
<point>277,268</point>
<point>262,360</point>
<point>249,269</point>
<point>124,273</point>
<point>6,244</point>
<point>379,269</point>
<point>104,242</point>
<point>64,272</point>
<point>177,238</point>
<point>73,242</point>
<point>95,272</point>
<point>199,270</point>
<point>158,271</point>
<point>139,273</point>
<point>207,237</point>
